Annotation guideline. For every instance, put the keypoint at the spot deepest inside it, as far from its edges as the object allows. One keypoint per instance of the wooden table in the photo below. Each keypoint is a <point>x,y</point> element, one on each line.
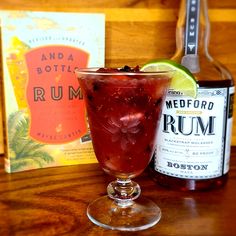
<point>138,31</point>
<point>53,201</point>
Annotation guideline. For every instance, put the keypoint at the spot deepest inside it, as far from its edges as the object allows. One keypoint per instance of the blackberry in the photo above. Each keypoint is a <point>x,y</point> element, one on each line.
<point>130,69</point>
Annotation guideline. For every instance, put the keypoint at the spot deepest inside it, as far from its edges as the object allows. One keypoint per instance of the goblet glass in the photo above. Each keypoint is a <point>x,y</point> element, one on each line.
<point>123,110</point>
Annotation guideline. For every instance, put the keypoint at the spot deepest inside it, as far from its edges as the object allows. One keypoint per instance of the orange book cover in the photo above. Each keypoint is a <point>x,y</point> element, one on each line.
<point>45,115</point>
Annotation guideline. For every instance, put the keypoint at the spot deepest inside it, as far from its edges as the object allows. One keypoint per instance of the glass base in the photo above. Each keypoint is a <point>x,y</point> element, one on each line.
<point>140,215</point>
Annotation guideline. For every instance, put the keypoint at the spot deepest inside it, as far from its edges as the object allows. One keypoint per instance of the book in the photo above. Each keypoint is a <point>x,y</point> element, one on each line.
<point>45,115</point>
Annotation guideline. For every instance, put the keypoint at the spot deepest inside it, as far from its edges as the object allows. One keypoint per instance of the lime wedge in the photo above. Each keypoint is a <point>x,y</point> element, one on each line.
<point>182,80</point>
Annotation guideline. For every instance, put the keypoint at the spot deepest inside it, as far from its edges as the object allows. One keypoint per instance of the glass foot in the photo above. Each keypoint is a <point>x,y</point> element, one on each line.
<point>140,215</point>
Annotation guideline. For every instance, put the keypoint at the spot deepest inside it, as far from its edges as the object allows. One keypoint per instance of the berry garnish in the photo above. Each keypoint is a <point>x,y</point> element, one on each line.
<point>130,69</point>
<point>107,70</point>
<point>123,69</point>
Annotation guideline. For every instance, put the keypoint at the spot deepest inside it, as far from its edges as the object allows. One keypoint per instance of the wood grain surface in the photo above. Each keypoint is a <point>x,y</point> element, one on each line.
<point>146,27</point>
<point>140,30</point>
<point>53,201</point>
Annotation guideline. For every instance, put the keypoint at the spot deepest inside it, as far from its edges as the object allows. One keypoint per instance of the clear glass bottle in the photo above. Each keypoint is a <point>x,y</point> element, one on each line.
<point>194,138</point>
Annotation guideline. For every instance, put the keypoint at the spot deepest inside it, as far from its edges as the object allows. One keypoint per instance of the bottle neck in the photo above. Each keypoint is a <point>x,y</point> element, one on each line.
<point>192,33</point>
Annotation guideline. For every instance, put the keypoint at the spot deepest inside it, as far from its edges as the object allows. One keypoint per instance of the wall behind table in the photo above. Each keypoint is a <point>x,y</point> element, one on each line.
<point>140,30</point>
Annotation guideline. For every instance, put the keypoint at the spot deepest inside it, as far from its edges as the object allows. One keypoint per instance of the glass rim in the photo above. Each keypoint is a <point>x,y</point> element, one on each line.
<point>93,71</point>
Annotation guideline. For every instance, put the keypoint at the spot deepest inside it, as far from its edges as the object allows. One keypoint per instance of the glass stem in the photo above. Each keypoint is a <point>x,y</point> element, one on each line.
<point>123,192</point>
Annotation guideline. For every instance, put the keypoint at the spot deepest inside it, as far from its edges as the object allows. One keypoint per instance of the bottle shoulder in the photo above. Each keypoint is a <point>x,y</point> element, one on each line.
<point>212,73</point>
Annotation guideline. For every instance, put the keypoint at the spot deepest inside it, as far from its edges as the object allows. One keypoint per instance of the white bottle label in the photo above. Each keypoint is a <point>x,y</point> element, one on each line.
<point>194,136</point>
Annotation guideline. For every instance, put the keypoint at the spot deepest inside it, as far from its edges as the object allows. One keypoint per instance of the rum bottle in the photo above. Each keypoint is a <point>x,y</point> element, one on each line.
<point>194,138</point>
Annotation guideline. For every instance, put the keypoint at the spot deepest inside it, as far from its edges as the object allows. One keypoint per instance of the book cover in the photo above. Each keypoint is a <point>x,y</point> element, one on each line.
<point>45,115</point>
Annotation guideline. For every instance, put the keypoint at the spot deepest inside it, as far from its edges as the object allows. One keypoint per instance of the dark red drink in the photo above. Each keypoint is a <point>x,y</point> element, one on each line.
<point>123,110</point>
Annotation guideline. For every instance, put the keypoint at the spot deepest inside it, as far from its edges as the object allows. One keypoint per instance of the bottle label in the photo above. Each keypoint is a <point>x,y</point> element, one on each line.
<point>191,58</point>
<point>194,137</point>
<point>192,22</point>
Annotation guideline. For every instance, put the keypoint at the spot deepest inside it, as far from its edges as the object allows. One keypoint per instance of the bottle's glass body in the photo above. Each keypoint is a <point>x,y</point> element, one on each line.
<point>195,134</point>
